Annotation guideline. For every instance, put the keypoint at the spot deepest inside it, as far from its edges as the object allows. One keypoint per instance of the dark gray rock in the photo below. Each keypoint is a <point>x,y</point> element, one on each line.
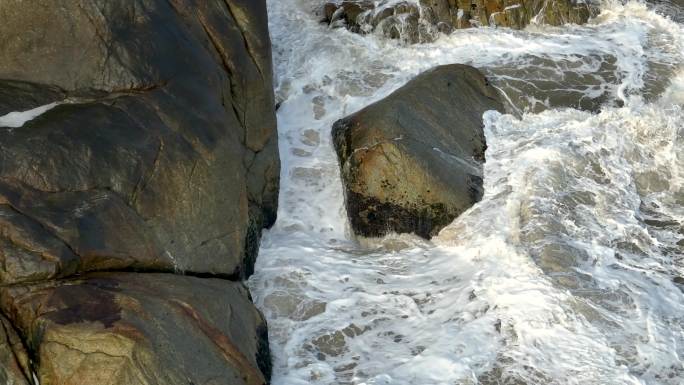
<point>535,83</point>
<point>163,155</point>
<point>140,329</point>
<point>412,162</point>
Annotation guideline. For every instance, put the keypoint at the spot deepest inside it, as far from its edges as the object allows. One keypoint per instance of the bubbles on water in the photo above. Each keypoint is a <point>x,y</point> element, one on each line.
<point>536,83</point>
<point>586,229</point>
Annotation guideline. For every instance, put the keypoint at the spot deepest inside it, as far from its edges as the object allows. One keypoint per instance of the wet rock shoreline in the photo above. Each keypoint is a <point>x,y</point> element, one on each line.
<point>412,162</point>
<point>421,22</point>
<point>132,209</point>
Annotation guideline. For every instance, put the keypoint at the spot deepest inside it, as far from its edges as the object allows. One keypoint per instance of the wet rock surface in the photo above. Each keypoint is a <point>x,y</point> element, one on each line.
<point>159,155</point>
<point>14,361</point>
<point>419,22</point>
<point>412,162</point>
<point>128,328</point>
<point>166,142</point>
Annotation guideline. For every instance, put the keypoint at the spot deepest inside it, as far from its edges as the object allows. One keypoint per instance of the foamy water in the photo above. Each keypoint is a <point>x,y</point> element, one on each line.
<point>569,271</point>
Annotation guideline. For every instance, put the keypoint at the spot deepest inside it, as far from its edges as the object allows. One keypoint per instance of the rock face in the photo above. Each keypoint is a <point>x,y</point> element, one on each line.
<point>156,153</point>
<point>412,162</point>
<point>535,83</point>
<point>129,328</point>
<point>419,21</point>
<point>163,154</point>
<point>14,361</point>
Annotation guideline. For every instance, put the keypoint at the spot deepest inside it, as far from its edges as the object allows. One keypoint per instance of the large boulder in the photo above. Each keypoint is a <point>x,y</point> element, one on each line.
<point>417,22</point>
<point>161,153</point>
<point>140,329</point>
<point>412,162</point>
<point>138,146</point>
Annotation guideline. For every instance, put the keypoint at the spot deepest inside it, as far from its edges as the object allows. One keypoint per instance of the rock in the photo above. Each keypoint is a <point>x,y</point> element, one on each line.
<point>136,329</point>
<point>159,156</point>
<point>14,362</point>
<point>397,21</point>
<point>162,155</point>
<point>518,13</point>
<point>419,23</point>
<point>412,162</point>
<point>21,96</point>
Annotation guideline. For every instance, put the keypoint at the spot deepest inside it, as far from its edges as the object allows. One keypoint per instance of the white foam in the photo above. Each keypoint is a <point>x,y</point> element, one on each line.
<point>18,119</point>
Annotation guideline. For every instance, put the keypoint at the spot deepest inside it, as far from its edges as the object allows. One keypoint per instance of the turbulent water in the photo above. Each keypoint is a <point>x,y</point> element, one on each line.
<point>571,268</point>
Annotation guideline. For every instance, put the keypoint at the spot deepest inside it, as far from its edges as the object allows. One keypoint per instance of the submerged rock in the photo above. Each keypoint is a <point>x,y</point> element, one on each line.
<point>412,162</point>
<point>129,328</point>
<point>418,22</point>
<point>534,83</point>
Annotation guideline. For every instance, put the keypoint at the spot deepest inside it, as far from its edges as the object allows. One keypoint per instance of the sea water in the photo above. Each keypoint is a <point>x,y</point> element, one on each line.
<point>571,268</point>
